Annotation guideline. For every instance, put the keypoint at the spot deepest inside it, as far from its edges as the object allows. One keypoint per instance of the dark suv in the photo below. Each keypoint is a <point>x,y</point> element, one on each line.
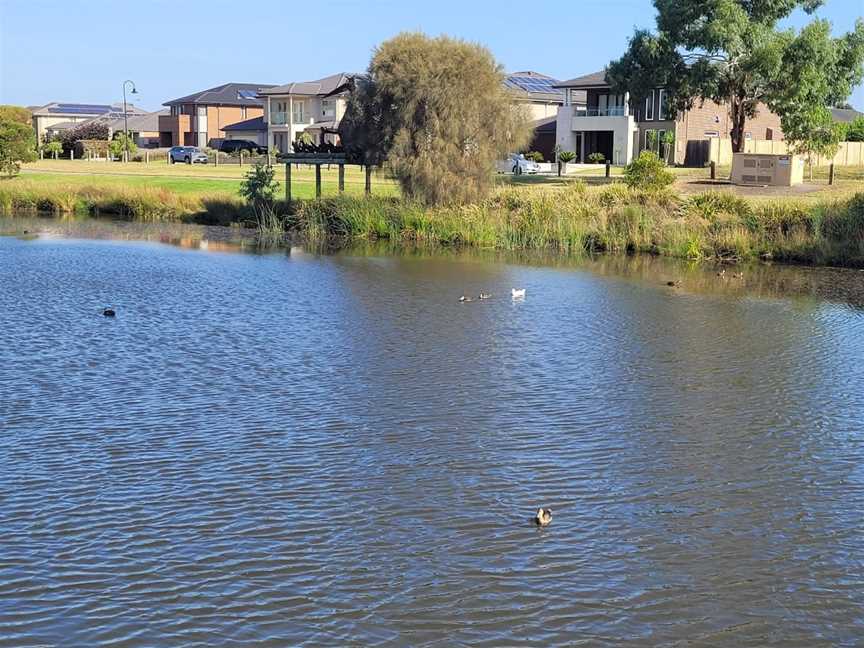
<point>232,146</point>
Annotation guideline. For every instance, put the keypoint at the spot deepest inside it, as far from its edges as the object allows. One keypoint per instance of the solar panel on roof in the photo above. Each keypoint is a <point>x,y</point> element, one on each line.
<point>533,84</point>
<point>247,94</point>
<point>80,109</point>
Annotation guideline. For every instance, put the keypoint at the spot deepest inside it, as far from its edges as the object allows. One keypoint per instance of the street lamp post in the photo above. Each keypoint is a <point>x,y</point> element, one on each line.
<point>126,119</point>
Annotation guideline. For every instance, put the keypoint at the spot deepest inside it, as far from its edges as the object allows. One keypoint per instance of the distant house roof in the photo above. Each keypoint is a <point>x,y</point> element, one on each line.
<point>325,87</point>
<point>534,86</point>
<point>142,123</point>
<point>61,109</point>
<point>593,80</point>
<point>228,94</point>
<point>846,114</point>
<point>254,124</point>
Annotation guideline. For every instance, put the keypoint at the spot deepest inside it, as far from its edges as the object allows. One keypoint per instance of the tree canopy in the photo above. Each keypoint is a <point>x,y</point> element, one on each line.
<point>17,144</point>
<point>436,113</point>
<point>15,113</point>
<point>731,52</point>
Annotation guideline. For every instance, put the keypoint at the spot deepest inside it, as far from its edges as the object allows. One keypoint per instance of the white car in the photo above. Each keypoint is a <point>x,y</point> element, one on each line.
<point>518,164</point>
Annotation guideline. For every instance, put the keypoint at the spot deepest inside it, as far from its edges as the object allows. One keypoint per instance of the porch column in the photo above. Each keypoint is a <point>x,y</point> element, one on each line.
<point>626,104</point>
<point>582,153</point>
<point>290,121</point>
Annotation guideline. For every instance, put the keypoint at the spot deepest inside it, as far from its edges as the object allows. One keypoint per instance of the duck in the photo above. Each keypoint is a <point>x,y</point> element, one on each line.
<point>673,284</point>
<point>464,299</point>
<point>485,296</point>
<point>518,293</point>
<point>109,312</point>
<point>543,517</point>
<point>738,275</point>
<point>722,273</point>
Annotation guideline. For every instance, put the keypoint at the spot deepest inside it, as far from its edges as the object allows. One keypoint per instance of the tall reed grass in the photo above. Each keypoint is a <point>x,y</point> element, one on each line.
<point>576,219</point>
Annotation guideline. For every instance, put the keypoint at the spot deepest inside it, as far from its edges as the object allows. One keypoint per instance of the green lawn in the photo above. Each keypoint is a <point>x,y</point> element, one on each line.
<point>195,180</point>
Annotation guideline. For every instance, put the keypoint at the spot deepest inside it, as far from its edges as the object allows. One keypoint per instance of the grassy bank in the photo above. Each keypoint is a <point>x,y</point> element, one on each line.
<point>580,219</point>
<point>571,218</point>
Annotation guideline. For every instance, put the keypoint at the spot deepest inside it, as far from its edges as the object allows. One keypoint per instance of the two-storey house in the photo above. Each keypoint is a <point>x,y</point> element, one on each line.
<point>196,119</point>
<point>312,107</point>
<point>620,126</point>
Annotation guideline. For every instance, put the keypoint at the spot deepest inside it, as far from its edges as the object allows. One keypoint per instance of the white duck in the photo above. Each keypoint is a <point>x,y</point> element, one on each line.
<point>518,293</point>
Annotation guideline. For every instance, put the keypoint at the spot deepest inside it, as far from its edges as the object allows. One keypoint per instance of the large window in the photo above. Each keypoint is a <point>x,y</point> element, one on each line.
<point>328,108</point>
<point>649,107</point>
<point>661,104</point>
<point>299,114</point>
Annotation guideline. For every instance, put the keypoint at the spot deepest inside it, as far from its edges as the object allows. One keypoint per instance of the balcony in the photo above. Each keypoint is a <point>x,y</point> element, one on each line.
<point>278,118</point>
<point>611,111</point>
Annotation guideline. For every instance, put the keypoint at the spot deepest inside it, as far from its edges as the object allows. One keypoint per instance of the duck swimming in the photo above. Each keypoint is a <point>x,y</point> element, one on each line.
<point>464,299</point>
<point>543,517</point>
<point>518,293</point>
<point>485,296</point>
<point>109,312</point>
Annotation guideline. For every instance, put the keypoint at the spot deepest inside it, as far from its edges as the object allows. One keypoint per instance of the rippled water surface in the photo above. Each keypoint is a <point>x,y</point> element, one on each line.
<point>293,448</point>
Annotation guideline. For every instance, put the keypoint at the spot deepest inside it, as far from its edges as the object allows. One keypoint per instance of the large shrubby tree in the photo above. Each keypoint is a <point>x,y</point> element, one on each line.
<point>436,113</point>
<point>730,51</point>
<point>15,113</point>
<point>17,145</point>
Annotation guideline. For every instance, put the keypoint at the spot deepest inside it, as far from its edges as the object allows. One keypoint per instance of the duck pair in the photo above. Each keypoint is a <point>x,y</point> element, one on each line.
<point>465,298</point>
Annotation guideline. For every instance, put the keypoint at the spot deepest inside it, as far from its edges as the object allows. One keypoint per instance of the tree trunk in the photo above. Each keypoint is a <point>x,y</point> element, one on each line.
<point>739,116</point>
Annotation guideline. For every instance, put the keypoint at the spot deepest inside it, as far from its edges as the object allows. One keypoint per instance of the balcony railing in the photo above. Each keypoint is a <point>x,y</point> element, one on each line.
<point>278,118</point>
<point>611,111</point>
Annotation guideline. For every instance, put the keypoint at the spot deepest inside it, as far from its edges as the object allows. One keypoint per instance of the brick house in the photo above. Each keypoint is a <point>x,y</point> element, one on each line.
<point>197,119</point>
<point>619,127</point>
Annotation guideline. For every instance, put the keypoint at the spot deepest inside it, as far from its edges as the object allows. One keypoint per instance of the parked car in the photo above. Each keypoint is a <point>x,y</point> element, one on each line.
<point>519,164</point>
<point>187,154</point>
<point>232,146</point>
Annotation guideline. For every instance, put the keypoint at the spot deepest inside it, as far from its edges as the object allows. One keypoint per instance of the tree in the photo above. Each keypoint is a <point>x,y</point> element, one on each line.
<point>92,130</point>
<point>854,130</point>
<point>17,145</point>
<point>436,113</point>
<point>731,52</point>
<point>812,132</point>
<point>53,148</point>
<point>259,185</point>
<point>117,146</point>
<point>16,114</point>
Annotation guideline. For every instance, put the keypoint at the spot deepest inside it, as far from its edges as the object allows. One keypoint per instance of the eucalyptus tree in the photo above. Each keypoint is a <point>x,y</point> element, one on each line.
<point>732,52</point>
<point>436,113</point>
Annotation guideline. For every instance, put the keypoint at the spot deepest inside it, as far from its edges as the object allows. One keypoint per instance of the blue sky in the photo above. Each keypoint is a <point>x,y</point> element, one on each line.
<point>57,50</point>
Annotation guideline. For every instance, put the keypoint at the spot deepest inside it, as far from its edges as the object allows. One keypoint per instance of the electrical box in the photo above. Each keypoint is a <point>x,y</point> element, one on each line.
<point>767,170</point>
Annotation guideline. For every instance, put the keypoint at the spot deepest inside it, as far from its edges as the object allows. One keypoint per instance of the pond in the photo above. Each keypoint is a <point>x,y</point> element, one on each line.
<point>290,447</point>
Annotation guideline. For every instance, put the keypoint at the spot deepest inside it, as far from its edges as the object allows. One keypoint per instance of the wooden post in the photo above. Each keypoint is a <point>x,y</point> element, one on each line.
<point>713,170</point>
<point>168,157</point>
<point>608,168</point>
<point>72,154</point>
<point>341,178</point>
<point>368,180</point>
<point>146,157</point>
<point>318,180</point>
<point>288,183</point>
<point>831,174</point>
<point>559,168</point>
<point>41,154</point>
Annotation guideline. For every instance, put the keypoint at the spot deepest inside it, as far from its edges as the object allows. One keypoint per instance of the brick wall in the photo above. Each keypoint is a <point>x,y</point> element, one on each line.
<point>218,117</point>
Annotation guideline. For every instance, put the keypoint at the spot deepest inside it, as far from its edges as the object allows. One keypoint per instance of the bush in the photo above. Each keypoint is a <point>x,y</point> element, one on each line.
<point>54,148</point>
<point>119,145</point>
<point>537,156</point>
<point>259,186</point>
<point>597,158</point>
<point>566,156</point>
<point>648,171</point>
<point>17,144</point>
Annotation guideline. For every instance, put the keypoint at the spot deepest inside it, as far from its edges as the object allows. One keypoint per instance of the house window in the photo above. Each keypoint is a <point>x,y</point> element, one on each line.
<point>661,104</point>
<point>748,135</point>
<point>769,133</point>
<point>712,133</point>
<point>328,108</point>
<point>649,107</point>
<point>299,114</point>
